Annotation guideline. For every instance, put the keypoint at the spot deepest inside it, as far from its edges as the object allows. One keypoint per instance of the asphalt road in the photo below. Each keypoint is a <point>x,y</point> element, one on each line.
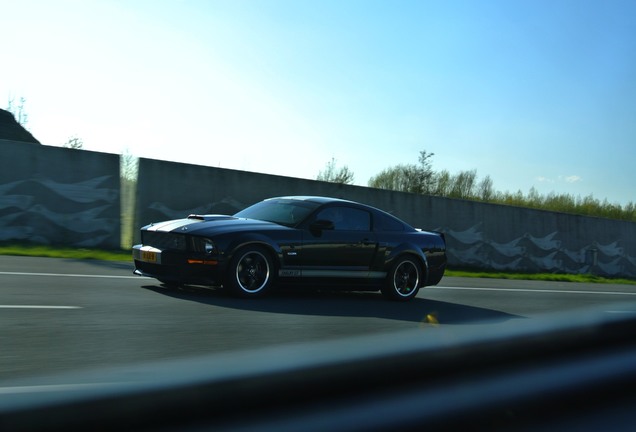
<point>60,315</point>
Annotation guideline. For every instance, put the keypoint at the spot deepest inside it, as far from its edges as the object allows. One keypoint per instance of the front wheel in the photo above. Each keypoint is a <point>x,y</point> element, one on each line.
<point>402,282</point>
<point>251,272</point>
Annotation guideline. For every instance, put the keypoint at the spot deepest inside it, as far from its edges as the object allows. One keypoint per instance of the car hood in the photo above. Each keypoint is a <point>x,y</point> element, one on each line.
<point>206,224</point>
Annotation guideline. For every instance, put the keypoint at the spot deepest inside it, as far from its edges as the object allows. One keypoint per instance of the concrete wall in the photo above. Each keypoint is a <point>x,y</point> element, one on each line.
<point>478,235</point>
<point>53,195</point>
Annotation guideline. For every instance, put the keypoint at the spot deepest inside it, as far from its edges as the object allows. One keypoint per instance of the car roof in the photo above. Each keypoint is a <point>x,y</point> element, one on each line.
<point>325,200</point>
<point>317,199</point>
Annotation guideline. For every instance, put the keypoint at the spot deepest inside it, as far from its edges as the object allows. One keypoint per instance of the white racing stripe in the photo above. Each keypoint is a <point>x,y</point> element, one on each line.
<point>534,290</point>
<point>67,275</point>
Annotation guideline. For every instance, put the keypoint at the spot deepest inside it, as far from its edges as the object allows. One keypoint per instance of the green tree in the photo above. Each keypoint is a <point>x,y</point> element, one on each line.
<point>442,183</point>
<point>465,185</point>
<point>403,178</point>
<point>408,177</point>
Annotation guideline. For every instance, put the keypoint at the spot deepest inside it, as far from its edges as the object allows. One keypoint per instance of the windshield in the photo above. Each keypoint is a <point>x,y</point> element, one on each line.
<point>282,211</point>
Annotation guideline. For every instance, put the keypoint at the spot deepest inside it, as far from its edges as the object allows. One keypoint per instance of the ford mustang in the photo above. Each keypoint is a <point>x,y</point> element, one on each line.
<point>294,241</point>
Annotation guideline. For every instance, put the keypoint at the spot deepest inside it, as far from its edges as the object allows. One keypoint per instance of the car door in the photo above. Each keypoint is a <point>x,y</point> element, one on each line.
<point>338,242</point>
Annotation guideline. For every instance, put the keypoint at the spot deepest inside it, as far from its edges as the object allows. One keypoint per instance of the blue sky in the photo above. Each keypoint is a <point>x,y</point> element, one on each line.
<point>533,93</point>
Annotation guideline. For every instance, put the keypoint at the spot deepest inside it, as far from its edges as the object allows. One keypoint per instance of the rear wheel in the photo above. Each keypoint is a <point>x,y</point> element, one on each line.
<point>402,282</point>
<point>251,272</point>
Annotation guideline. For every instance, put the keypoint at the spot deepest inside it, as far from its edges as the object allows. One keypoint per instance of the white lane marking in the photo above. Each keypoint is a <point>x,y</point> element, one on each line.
<point>53,388</point>
<point>534,290</point>
<point>67,275</point>
<point>38,307</point>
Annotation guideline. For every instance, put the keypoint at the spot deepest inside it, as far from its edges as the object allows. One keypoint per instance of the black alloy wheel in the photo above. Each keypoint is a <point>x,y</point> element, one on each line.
<point>403,280</point>
<point>251,272</point>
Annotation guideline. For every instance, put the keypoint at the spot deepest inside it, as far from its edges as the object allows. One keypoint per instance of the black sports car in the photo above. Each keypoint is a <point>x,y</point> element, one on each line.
<point>294,240</point>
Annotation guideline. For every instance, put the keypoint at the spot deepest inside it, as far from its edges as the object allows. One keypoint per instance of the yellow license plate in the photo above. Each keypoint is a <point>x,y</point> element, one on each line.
<point>149,256</point>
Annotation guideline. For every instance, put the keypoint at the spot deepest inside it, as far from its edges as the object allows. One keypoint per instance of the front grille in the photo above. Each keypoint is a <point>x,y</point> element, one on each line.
<point>164,240</point>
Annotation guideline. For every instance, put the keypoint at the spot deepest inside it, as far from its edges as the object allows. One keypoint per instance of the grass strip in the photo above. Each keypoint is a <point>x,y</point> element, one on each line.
<point>65,252</point>
<point>553,277</point>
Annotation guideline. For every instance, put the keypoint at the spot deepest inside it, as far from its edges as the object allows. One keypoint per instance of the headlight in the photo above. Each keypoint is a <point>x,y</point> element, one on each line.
<point>208,246</point>
<point>201,244</point>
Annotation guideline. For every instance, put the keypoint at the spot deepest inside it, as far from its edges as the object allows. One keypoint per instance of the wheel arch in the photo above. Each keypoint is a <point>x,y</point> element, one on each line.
<point>409,250</point>
<point>256,240</point>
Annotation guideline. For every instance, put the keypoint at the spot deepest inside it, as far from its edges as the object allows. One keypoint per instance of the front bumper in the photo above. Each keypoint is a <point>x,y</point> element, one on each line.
<point>176,266</point>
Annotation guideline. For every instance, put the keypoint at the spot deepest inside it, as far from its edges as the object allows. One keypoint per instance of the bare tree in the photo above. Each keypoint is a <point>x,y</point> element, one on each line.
<point>485,189</point>
<point>425,172</point>
<point>128,170</point>
<point>129,165</point>
<point>335,175</point>
<point>74,143</point>
<point>18,111</point>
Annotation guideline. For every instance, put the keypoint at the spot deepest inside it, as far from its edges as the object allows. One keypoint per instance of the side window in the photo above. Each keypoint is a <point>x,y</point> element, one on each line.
<point>387,223</point>
<point>347,218</point>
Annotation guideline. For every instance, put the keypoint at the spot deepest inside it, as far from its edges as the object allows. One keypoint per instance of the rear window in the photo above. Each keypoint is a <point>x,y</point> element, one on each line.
<point>385,222</point>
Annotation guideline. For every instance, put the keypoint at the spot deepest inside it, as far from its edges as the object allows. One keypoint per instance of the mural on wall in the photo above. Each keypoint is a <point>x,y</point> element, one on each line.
<point>537,253</point>
<point>44,211</point>
<point>225,206</point>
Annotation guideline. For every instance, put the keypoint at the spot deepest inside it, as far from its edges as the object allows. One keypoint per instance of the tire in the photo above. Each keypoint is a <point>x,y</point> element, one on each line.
<point>403,281</point>
<point>251,272</point>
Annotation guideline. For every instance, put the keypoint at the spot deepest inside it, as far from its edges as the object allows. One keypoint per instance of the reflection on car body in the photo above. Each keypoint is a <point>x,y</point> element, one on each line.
<point>294,240</point>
